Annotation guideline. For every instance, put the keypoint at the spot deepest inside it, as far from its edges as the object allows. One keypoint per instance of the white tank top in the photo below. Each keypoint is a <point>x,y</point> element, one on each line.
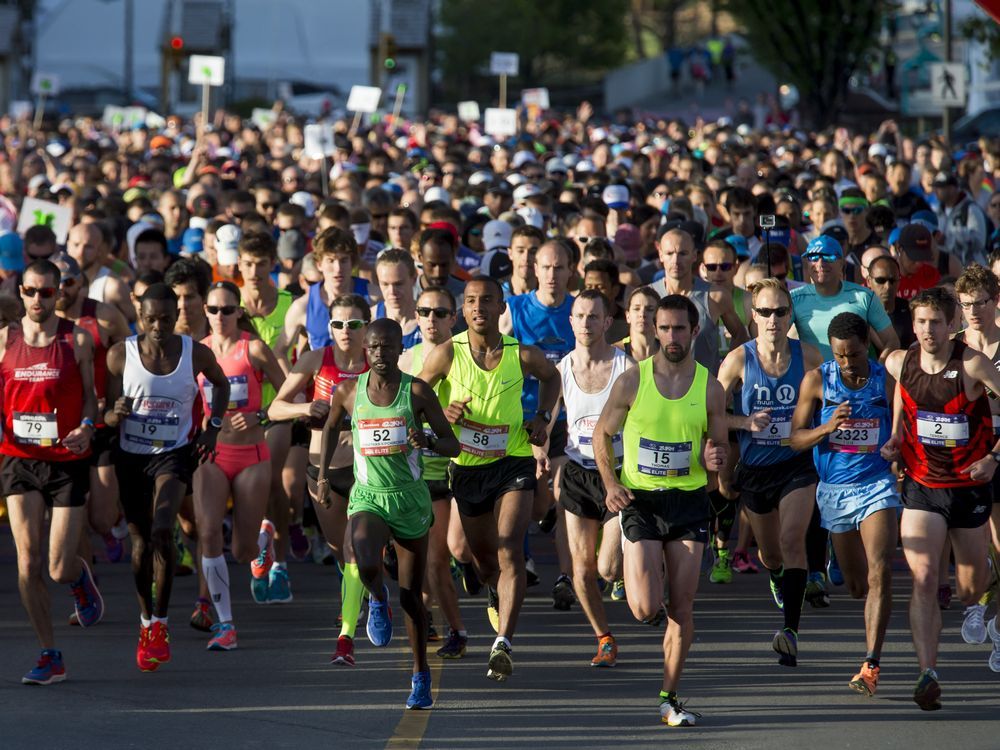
<point>98,288</point>
<point>583,410</point>
<point>162,417</point>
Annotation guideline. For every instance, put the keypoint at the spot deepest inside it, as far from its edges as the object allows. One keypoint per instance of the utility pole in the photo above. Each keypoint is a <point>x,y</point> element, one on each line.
<point>127,72</point>
<point>946,113</point>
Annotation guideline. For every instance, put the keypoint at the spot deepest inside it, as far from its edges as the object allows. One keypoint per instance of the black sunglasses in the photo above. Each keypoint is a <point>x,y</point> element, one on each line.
<point>438,312</point>
<point>885,279</point>
<point>713,267</point>
<point>45,292</point>
<point>767,312</point>
<point>224,309</point>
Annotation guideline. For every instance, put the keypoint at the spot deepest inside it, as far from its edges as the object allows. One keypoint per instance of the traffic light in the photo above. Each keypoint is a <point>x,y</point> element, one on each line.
<point>388,51</point>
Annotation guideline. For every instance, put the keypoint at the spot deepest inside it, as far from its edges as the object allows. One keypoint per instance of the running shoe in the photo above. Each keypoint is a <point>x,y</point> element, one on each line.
<point>345,652</point>
<point>201,618</point>
<point>994,634</point>
<point>743,564</point>
<point>87,599</point>
<point>673,714</point>
<point>299,542</point>
<point>974,624</point>
<point>420,692</point>
<point>185,561</point>
<point>279,590</point>
<point>562,594</point>
<point>318,548</point>
<point>775,583</point>
<point>261,566</point>
<point>816,593</point>
<point>530,573</point>
<point>379,619</point>
<point>455,569</point>
<point>224,638</point>
<point>618,591</point>
<point>158,643</point>
<point>944,596</point>
<point>866,680</point>
<point>656,619</point>
<point>390,561</point>
<point>607,653</point>
<point>722,570</point>
<point>114,550</point>
<point>49,669</point>
<point>493,608</point>
<point>786,646</point>
<point>142,659</point>
<point>927,693</point>
<point>454,647</point>
<point>470,579</point>
<point>501,665</point>
<point>833,571</point>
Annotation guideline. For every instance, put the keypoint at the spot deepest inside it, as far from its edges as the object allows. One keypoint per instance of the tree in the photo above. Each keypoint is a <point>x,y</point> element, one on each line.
<point>557,37</point>
<point>815,44</point>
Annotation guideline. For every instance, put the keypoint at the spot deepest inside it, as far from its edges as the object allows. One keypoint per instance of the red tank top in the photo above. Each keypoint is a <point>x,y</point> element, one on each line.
<point>244,379</point>
<point>329,376</point>
<point>42,396</point>
<point>943,431</point>
<point>88,322</point>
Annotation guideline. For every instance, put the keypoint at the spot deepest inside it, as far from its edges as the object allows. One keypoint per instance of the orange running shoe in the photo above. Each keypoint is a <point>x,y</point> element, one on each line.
<point>158,645</point>
<point>607,653</point>
<point>866,680</point>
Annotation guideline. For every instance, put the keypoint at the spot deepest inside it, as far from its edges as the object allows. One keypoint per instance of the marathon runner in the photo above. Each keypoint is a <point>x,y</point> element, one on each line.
<point>49,408</point>
<point>843,414</point>
<point>776,484</point>
<point>397,276</point>
<point>241,464</point>
<point>664,409</point>
<point>387,409</point>
<point>493,478</point>
<point>151,393</point>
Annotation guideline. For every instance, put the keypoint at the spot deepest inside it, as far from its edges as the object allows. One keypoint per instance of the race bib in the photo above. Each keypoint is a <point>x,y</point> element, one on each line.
<point>778,432</point>
<point>153,422</point>
<point>383,436</point>
<point>996,424</point>
<point>239,392</point>
<point>485,441</point>
<point>664,459</point>
<point>35,429</point>
<point>944,430</point>
<point>586,448</point>
<point>855,436</point>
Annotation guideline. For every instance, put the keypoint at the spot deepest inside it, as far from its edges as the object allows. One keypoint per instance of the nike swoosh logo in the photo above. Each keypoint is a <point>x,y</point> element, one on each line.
<point>520,479</point>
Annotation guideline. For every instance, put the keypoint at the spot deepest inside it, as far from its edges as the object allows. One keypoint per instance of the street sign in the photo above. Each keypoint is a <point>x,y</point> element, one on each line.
<point>364,99</point>
<point>207,70</point>
<point>468,111</point>
<point>504,63</point>
<point>55,217</point>
<point>948,87</point>
<point>45,84</point>
<point>535,98</point>
<point>318,140</point>
<point>500,122</point>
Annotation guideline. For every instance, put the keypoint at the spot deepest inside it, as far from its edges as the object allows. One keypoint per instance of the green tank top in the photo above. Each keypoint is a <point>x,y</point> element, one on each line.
<point>435,467</point>
<point>494,423</point>
<point>269,327</point>
<point>662,437</point>
<point>383,456</point>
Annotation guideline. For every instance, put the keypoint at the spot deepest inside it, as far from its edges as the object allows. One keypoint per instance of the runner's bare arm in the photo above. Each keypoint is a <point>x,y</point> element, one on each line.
<point>804,436</point>
<point>886,341</point>
<point>263,359</point>
<point>717,445</point>
<point>533,362</point>
<point>295,322</point>
<point>428,409</point>
<point>206,364</point>
<point>285,405</point>
<point>730,376</point>
<point>438,364</point>
<point>339,408</point>
<point>610,423</point>
<point>117,406</point>
<point>112,319</point>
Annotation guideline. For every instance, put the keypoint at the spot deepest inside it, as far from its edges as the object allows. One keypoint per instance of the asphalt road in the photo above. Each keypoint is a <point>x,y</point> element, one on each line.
<point>278,689</point>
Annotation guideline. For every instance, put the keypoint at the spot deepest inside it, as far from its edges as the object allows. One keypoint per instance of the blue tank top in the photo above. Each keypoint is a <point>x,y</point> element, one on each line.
<point>410,339</point>
<point>546,327</point>
<point>318,314</point>
<point>761,391</point>
<point>851,454</point>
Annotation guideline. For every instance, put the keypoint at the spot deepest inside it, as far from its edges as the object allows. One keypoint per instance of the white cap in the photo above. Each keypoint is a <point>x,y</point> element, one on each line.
<point>521,158</point>
<point>615,196</point>
<point>524,191</point>
<point>132,234</point>
<point>515,179</point>
<point>304,199</point>
<point>584,165</point>
<point>435,193</point>
<point>531,216</point>
<point>478,178</point>
<point>877,149</point>
<point>361,232</point>
<point>198,222</point>
<point>496,234</point>
<point>227,244</point>
<point>37,181</point>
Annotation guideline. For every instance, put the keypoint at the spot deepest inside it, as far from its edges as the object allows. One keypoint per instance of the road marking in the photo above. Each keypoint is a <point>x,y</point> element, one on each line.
<point>410,730</point>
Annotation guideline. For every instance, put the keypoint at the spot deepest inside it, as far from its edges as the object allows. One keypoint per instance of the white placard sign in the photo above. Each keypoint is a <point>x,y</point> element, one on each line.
<point>208,69</point>
<point>20,109</point>
<point>500,122</point>
<point>948,84</point>
<point>124,118</point>
<point>536,97</point>
<point>468,111</point>
<point>45,84</point>
<point>52,215</point>
<point>318,140</point>
<point>263,118</point>
<point>364,99</point>
<point>504,63</point>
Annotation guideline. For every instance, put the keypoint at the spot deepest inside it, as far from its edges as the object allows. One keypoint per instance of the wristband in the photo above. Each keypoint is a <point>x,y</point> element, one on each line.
<point>87,422</point>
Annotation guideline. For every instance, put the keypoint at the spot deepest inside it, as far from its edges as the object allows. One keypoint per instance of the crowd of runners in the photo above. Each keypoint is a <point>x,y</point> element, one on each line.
<point>660,340</point>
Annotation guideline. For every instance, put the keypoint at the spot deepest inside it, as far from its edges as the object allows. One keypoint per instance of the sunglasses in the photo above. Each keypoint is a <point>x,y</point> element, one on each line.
<point>885,279</point>
<point>268,206</point>
<point>224,309</point>
<point>713,267</point>
<point>438,312</point>
<point>379,217</point>
<point>852,211</point>
<point>45,292</point>
<point>825,257</point>
<point>68,283</point>
<point>351,325</point>
<point>767,312</point>
<point>476,232</point>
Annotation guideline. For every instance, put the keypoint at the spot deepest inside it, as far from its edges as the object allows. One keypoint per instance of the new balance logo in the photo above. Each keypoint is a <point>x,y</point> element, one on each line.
<point>951,375</point>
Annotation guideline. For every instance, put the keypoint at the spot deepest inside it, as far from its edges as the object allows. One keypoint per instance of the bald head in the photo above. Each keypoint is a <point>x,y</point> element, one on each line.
<point>84,246</point>
<point>384,328</point>
<point>677,254</point>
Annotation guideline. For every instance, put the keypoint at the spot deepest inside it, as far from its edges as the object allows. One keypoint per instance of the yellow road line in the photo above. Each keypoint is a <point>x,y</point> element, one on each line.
<point>409,732</point>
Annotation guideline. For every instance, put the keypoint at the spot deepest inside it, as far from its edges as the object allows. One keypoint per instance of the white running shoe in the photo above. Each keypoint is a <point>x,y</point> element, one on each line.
<point>991,630</point>
<point>673,714</point>
<point>974,624</point>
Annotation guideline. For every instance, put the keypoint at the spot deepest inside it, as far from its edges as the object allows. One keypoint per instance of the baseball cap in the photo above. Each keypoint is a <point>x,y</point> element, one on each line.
<point>615,196</point>
<point>158,142</point>
<point>227,244</point>
<point>739,243</point>
<point>11,252</point>
<point>306,200</point>
<point>524,191</point>
<point>532,216</point>
<point>192,241</point>
<point>916,243</point>
<point>37,182</point>
<point>436,193</point>
<point>555,165</point>
<point>823,245</point>
<point>496,234</point>
<point>521,158</point>
<point>291,245</point>
<point>68,267</point>
<point>943,179</point>
<point>838,233</point>
<point>928,219</point>
<point>132,234</point>
<point>496,264</point>
<point>893,236</point>
<point>501,187</point>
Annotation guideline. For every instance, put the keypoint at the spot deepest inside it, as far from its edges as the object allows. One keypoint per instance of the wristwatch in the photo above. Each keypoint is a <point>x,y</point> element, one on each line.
<point>544,414</point>
<point>262,419</point>
<point>215,423</point>
<point>995,455</point>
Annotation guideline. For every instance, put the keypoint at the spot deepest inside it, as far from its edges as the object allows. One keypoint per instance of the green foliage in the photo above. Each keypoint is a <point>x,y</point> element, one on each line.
<point>552,38</point>
<point>815,44</point>
<point>983,30</point>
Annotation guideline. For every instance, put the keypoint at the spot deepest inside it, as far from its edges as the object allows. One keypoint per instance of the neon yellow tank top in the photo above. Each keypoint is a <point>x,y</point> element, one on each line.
<point>268,327</point>
<point>493,425</point>
<point>435,466</point>
<point>662,437</point>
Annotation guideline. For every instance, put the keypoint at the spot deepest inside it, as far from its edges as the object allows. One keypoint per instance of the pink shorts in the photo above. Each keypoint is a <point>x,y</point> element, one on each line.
<point>233,459</point>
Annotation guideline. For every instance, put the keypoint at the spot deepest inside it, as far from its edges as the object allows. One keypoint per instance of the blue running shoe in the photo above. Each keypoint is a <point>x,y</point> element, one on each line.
<point>279,590</point>
<point>50,669</point>
<point>259,589</point>
<point>833,572</point>
<point>87,599</point>
<point>379,619</point>
<point>420,695</point>
<point>618,590</point>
